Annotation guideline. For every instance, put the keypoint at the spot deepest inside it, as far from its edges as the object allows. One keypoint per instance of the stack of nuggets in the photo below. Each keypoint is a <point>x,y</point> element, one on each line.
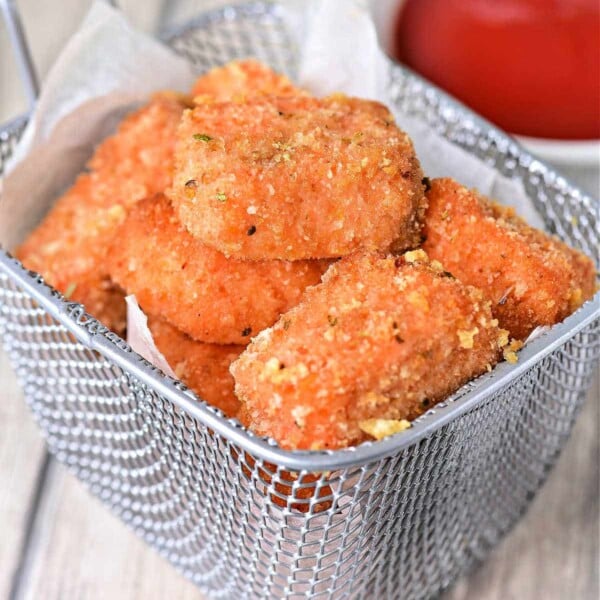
<point>260,191</point>
<point>209,297</point>
<point>78,247</point>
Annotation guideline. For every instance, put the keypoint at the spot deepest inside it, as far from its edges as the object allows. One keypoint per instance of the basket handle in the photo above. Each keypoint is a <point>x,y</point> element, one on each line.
<point>18,40</point>
<point>20,46</point>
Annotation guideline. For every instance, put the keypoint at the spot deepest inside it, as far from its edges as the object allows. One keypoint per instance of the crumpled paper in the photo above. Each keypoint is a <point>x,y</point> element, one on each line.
<point>108,67</point>
<point>140,337</point>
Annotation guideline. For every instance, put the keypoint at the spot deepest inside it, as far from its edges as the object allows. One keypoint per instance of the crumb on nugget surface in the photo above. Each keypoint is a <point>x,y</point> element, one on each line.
<point>298,177</point>
<point>241,78</point>
<point>196,288</point>
<point>204,368</point>
<point>380,338</point>
<point>531,278</point>
<point>69,246</point>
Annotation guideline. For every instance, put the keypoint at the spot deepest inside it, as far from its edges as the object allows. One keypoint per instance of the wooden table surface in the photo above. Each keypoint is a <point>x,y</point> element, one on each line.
<point>59,543</point>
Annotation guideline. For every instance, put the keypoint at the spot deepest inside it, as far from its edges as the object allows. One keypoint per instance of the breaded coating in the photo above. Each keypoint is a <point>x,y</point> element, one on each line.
<point>204,368</point>
<point>531,278</point>
<point>140,153</point>
<point>69,247</point>
<point>241,78</point>
<point>297,178</point>
<point>380,338</point>
<point>197,289</point>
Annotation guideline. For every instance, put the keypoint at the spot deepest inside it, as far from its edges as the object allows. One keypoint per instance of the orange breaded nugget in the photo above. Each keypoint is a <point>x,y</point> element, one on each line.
<point>140,153</point>
<point>296,178</point>
<point>204,368</point>
<point>380,338</point>
<point>69,247</point>
<point>240,78</point>
<point>197,289</point>
<point>67,263</point>
<point>531,278</point>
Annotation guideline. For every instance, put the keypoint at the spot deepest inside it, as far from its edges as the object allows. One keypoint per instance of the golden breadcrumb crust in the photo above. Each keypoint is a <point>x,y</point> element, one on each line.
<point>531,278</point>
<point>241,78</point>
<point>298,177</point>
<point>204,294</point>
<point>69,246</point>
<point>204,368</point>
<point>381,338</point>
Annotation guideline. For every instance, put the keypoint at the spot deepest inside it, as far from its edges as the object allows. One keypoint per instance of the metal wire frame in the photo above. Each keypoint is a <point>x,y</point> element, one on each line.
<point>21,49</point>
<point>412,95</point>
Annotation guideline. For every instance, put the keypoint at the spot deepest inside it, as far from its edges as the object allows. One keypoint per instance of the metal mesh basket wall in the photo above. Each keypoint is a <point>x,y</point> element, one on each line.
<point>243,519</point>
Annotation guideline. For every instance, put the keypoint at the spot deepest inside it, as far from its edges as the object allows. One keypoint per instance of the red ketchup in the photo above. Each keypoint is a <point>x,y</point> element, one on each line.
<point>530,66</point>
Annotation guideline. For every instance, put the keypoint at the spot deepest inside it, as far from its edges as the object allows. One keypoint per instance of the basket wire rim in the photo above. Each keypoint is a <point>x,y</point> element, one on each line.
<point>96,336</point>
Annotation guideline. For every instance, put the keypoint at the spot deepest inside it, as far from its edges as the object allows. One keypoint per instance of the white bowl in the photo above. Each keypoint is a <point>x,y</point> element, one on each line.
<point>567,153</point>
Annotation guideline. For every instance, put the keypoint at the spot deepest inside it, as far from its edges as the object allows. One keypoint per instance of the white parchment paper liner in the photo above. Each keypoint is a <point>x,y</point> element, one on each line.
<point>139,337</point>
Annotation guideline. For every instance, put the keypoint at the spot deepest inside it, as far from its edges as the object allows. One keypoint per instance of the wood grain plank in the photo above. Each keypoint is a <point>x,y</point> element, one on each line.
<point>554,552</point>
<point>22,455</point>
<point>80,551</point>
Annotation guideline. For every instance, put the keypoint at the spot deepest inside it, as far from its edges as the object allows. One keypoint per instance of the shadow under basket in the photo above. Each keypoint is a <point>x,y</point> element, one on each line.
<point>236,514</point>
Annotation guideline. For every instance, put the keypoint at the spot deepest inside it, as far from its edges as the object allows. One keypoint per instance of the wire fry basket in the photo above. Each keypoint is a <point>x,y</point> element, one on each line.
<point>243,518</point>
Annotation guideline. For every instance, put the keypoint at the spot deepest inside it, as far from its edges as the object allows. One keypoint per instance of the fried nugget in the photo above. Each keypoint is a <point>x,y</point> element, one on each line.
<point>379,338</point>
<point>69,247</point>
<point>204,368</point>
<point>531,278</point>
<point>296,178</point>
<point>241,78</point>
<point>197,289</point>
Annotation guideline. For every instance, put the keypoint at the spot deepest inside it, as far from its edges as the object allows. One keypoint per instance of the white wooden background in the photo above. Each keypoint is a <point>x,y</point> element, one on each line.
<point>59,543</point>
